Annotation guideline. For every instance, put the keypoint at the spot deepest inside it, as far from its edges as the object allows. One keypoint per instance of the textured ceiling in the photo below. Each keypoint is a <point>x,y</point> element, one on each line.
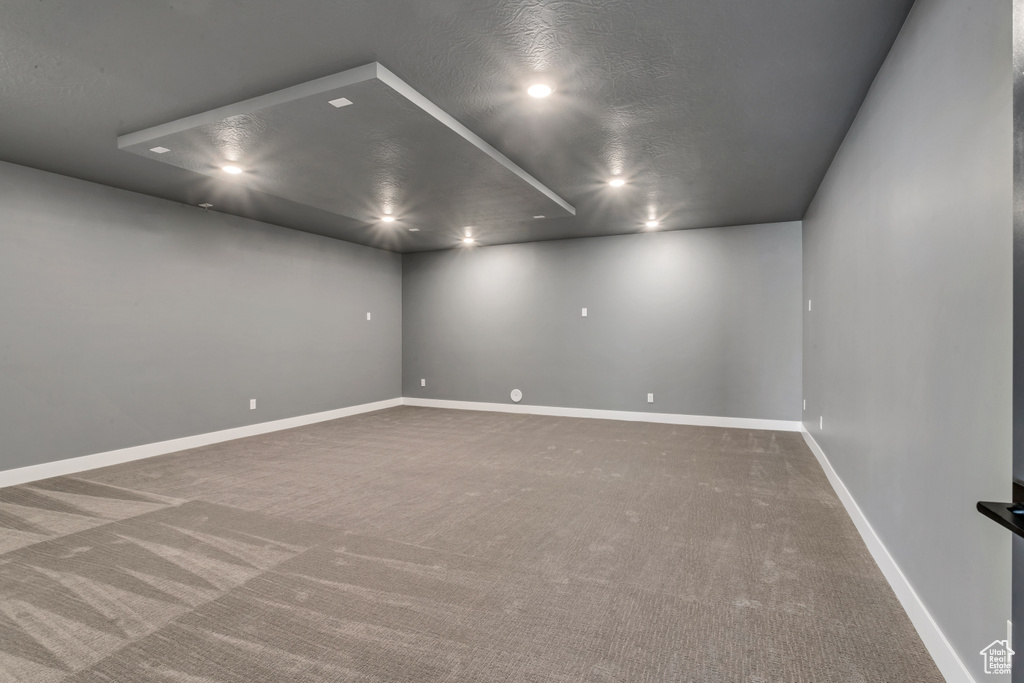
<point>719,112</point>
<point>385,152</point>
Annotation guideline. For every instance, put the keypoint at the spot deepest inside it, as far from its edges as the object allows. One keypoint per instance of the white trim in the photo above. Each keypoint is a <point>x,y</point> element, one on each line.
<point>949,663</point>
<point>666,418</point>
<point>82,463</point>
<point>59,468</point>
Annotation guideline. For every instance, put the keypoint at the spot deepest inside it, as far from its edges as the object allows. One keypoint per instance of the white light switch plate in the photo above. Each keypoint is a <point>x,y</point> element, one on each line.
<point>650,398</point>
<point>423,382</point>
<point>584,313</point>
<point>252,404</point>
<point>367,315</point>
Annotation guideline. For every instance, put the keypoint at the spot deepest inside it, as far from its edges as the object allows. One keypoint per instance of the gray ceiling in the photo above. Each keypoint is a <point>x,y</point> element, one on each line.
<point>385,152</point>
<point>719,112</point>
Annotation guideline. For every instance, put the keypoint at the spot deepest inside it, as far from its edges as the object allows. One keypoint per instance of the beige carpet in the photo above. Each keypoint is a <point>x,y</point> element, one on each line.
<point>417,544</point>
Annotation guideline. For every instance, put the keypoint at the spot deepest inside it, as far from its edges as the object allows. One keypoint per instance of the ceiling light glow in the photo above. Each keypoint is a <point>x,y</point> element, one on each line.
<point>233,170</point>
<point>388,219</point>
<point>468,240</point>
<point>616,182</point>
<point>652,224</point>
<point>539,90</point>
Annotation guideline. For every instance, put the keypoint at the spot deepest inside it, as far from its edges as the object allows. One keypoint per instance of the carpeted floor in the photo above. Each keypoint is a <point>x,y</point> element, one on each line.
<point>418,544</point>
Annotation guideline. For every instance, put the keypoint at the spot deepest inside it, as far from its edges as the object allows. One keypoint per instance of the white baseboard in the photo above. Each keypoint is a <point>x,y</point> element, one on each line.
<point>67,466</point>
<point>950,665</point>
<point>59,468</point>
<point>666,418</point>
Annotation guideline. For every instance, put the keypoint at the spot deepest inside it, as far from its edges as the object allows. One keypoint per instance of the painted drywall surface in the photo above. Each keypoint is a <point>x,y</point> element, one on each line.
<point>725,111</point>
<point>128,320</point>
<point>706,320</point>
<point>907,259</point>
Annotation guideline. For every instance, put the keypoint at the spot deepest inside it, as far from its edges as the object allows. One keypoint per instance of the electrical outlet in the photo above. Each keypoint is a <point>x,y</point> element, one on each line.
<point>650,398</point>
<point>584,313</point>
<point>423,382</point>
<point>367,315</point>
<point>252,404</point>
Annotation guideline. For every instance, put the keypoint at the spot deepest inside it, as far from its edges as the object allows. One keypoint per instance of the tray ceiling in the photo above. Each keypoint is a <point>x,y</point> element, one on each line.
<point>361,144</point>
<point>714,112</point>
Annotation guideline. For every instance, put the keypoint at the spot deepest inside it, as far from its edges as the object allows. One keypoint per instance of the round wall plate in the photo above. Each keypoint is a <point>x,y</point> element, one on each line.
<point>516,395</point>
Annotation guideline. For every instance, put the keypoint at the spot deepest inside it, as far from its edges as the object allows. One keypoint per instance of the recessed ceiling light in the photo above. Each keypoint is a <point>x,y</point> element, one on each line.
<point>468,240</point>
<point>340,102</point>
<point>617,182</point>
<point>159,150</point>
<point>388,219</point>
<point>233,170</point>
<point>652,224</point>
<point>414,229</point>
<point>539,90</point>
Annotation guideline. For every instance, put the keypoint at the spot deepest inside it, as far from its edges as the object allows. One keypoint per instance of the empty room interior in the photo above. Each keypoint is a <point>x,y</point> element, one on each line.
<point>480,340</point>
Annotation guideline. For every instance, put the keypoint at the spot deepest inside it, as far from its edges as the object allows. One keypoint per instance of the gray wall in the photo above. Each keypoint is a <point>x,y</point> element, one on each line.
<point>707,320</point>
<point>126,320</point>
<point>907,258</point>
